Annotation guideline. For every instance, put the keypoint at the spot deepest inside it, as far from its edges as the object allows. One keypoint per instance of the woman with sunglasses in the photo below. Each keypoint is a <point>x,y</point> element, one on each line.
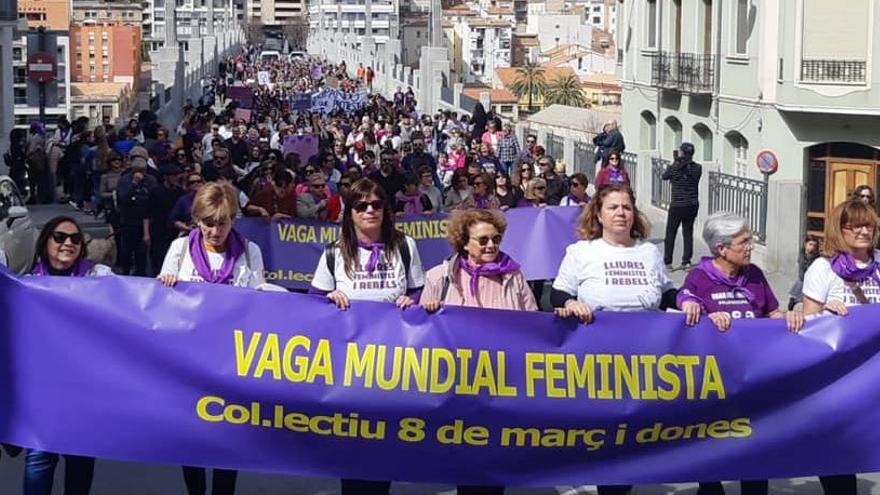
<point>577,191</point>
<point>182,160</point>
<point>865,194</point>
<point>213,252</point>
<point>371,261</point>
<point>522,174</point>
<point>536,194</point>
<point>459,191</point>
<point>613,171</point>
<point>61,251</point>
<point>508,195</point>
<point>483,196</point>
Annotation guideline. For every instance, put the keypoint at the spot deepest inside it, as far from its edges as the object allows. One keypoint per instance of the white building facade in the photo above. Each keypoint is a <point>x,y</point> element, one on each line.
<point>25,96</point>
<point>795,78</point>
<point>486,45</point>
<point>378,19</point>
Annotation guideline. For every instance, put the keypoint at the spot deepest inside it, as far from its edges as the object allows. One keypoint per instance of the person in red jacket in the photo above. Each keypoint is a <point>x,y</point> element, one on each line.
<point>612,172</point>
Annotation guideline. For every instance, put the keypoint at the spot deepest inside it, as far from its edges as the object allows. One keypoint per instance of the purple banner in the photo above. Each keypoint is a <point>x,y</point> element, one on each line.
<point>244,95</point>
<point>536,238</point>
<point>306,146</point>
<point>210,375</point>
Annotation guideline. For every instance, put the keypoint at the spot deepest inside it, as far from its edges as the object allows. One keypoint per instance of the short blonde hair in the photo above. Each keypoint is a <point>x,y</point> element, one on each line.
<point>531,186</point>
<point>215,201</point>
<point>853,213</point>
<point>462,220</point>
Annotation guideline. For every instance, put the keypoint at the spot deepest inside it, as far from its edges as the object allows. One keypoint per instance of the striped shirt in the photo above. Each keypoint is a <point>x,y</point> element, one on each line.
<point>685,179</point>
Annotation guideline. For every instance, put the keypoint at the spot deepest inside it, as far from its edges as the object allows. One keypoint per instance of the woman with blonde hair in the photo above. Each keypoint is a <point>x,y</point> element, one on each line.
<point>535,195</point>
<point>847,275</point>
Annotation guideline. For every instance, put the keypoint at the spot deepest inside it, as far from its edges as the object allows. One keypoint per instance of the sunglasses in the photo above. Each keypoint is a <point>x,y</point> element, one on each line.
<point>345,184</point>
<point>483,240</point>
<point>613,158</point>
<point>60,237</point>
<point>220,157</point>
<point>540,188</point>
<point>319,186</point>
<point>576,184</point>
<point>361,206</point>
<point>866,196</point>
<point>194,182</point>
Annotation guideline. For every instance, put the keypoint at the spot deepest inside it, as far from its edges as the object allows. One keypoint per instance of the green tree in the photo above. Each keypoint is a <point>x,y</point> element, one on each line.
<point>565,90</point>
<point>529,81</point>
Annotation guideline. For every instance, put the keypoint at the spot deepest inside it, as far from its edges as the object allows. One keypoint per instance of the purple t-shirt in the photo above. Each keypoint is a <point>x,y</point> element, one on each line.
<point>716,297</point>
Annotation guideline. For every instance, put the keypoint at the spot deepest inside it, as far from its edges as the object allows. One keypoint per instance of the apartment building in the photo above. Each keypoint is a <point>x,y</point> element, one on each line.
<point>8,22</point>
<point>790,79</point>
<point>25,94</point>
<point>106,52</point>
<point>193,19</point>
<point>275,12</point>
<point>104,11</point>
<point>601,14</point>
<point>51,14</point>
<point>485,46</point>
<point>380,19</point>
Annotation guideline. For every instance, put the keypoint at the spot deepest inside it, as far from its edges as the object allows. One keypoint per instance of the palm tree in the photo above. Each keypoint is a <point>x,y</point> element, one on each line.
<point>529,81</point>
<point>565,90</point>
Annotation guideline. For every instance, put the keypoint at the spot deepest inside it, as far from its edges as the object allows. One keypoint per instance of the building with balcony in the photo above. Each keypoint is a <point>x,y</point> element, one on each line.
<point>104,11</point>
<point>792,77</point>
<point>485,46</point>
<point>51,14</point>
<point>379,19</point>
<point>193,19</point>
<point>26,94</point>
<point>275,12</point>
<point>106,52</point>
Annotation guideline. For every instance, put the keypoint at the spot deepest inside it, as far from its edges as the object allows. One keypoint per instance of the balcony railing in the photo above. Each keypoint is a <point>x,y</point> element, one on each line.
<point>833,71</point>
<point>685,72</point>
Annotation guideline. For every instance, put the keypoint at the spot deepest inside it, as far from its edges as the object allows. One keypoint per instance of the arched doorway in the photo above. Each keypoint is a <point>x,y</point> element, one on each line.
<point>834,170</point>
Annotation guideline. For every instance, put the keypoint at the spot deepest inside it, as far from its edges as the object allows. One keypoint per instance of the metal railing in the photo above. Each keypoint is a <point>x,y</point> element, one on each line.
<point>631,164</point>
<point>745,197</point>
<point>585,158</point>
<point>686,72</point>
<point>661,190</point>
<point>555,146</point>
<point>833,71</point>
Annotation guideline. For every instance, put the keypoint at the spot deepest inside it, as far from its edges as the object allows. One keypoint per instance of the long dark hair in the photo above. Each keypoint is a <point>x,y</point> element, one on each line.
<point>348,243</point>
<point>42,250</point>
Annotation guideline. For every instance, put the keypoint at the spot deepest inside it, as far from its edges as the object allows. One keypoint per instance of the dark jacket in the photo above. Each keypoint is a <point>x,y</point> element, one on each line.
<point>557,188</point>
<point>684,174</point>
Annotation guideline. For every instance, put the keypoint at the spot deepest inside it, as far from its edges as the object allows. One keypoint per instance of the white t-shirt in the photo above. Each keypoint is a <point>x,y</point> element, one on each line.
<point>387,282</point>
<point>247,271</point>
<point>821,284</point>
<point>614,278</point>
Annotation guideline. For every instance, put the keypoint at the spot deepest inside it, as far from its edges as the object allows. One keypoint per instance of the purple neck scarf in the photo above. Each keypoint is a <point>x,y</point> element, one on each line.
<point>615,175</point>
<point>234,249</point>
<point>80,269</point>
<point>736,284</point>
<point>375,252</point>
<point>844,265</point>
<point>502,265</point>
<point>481,202</point>
<point>412,204</point>
<point>574,199</point>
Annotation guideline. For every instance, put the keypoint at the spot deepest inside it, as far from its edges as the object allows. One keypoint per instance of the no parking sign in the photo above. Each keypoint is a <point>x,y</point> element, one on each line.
<point>767,162</point>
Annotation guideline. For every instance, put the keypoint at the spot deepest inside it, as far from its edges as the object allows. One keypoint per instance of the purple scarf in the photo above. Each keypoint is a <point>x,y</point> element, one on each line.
<point>412,204</point>
<point>80,269</point>
<point>502,265</point>
<point>375,252</point>
<point>736,285</point>
<point>574,199</point>
<point>615,176</point>
<point>481,202</point>
<point>234,248</point>
<point>844,265</point>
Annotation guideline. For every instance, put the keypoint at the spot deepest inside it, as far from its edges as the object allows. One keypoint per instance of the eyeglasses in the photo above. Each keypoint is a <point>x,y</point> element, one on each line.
<point>361,206</point>
<point>484,239</point>
<point>194,182</point>
<point>530,141</point>
<point>60,237</point>
<point>866,196</point>
<point>220,157</point>
<point>859,228</point>
<point>576,184</point>
<point>345,184</point>
<point>613,159</point>
<point>543,164</point>
<point>319,185</point>
<point>540,188</point>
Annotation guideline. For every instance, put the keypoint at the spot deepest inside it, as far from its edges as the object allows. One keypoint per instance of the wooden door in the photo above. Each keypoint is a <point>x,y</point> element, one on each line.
<point>844,177</point>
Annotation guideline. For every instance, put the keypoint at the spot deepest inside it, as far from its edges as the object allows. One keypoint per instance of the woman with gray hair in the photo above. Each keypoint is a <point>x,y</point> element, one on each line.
<point>726,286</point>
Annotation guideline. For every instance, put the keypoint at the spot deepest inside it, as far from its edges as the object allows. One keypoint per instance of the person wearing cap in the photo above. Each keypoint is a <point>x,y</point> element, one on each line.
<point>684,175</point>
<point>133,196</point>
